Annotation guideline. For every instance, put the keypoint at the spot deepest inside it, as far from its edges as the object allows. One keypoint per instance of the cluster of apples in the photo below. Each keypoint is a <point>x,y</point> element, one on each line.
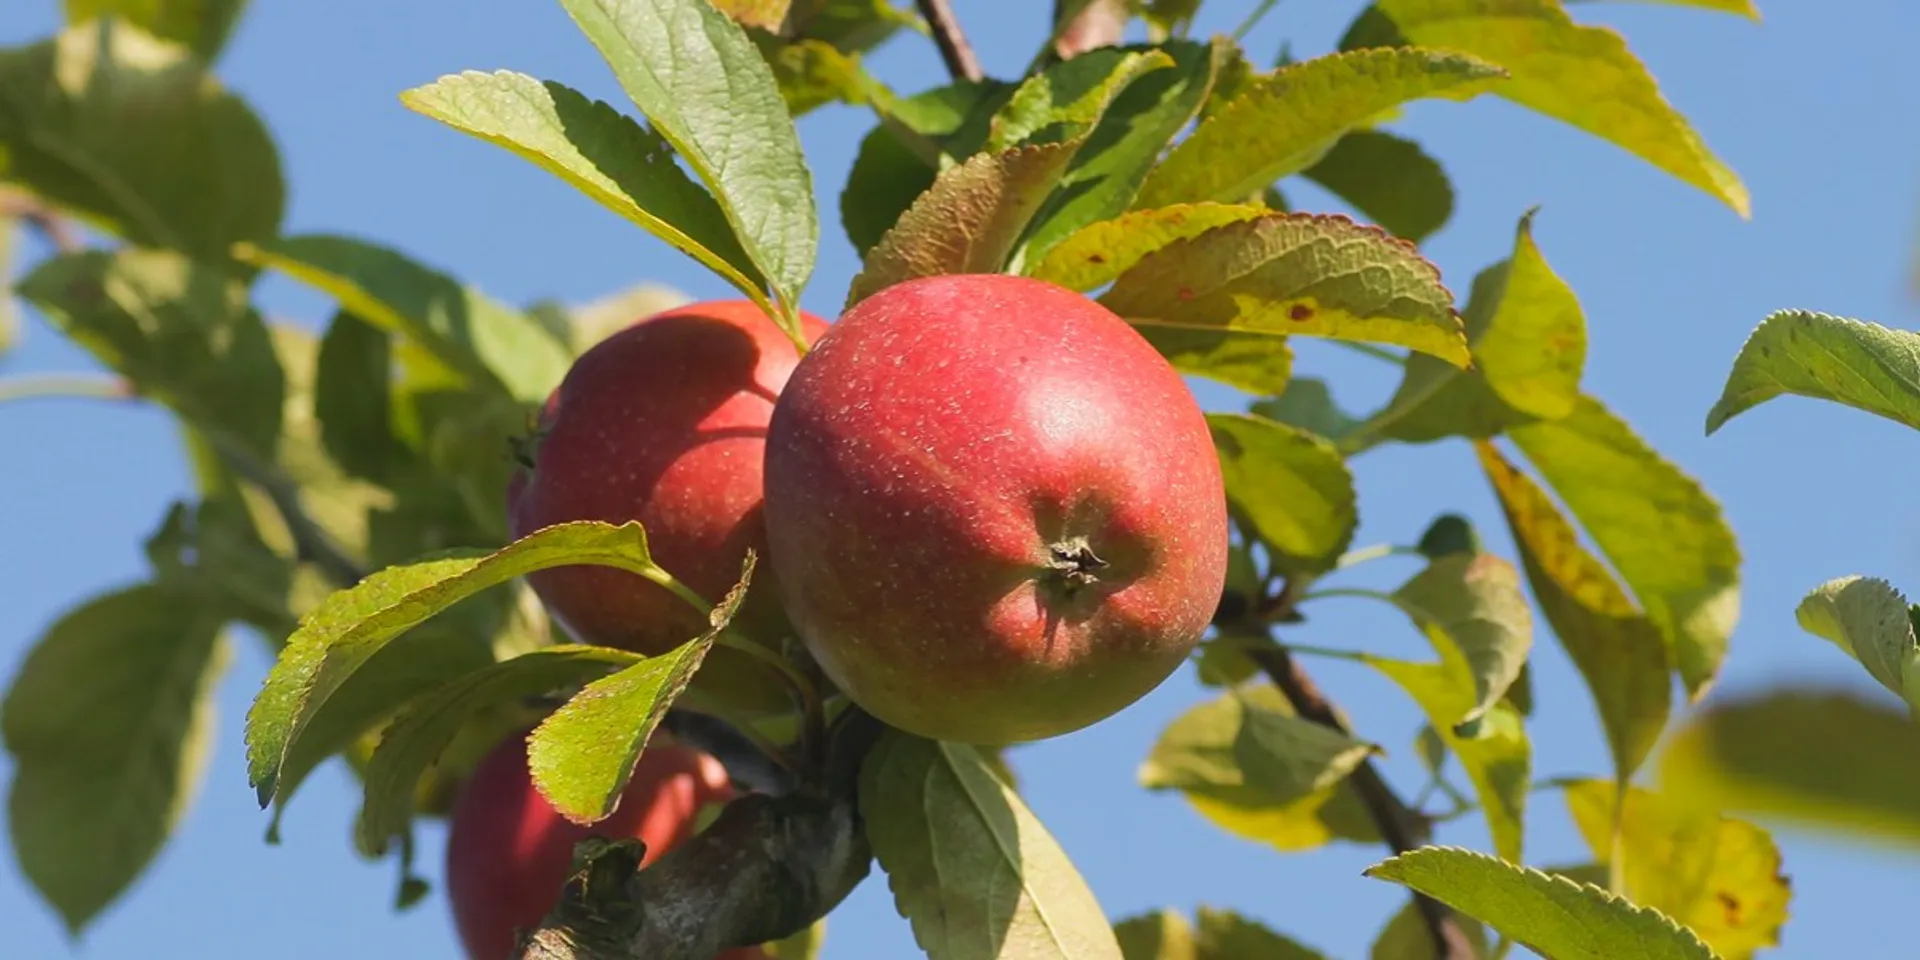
<point>989,508</point>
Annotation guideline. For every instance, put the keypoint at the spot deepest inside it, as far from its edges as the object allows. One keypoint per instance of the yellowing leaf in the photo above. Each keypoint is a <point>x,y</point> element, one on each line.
<point>1874,624</point>
<point>1660,530</point>
<point>1295,274</point>
<point>1744,8</point>
<point>973,870</point>
<point>1863,365</point>
<point>1582,75</point>
<point>202,26</point>
<point>1496,757</point>
<point>1162,935</point>
<point>1553,916</point>
<point>1099,252</point>
<point>1824,759</point>
<point>1292,487</point>
<point>813,74</point>
<point>765,14</point>
<point>968,221</point>
<point>1718,876</point>
<point>1618,651</point>
<point>1284,122</point>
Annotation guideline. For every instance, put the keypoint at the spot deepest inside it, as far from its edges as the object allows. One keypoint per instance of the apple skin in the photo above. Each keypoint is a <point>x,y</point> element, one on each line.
<point>995,512</point>
<point>508,850</point>
<point>664,422</point>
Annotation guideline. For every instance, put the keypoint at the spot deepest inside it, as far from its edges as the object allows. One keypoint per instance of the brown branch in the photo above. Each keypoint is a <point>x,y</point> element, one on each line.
<point>1401,827</point>
<point>766,869</point>
<point>1101,23</point>
<point>953,45</point>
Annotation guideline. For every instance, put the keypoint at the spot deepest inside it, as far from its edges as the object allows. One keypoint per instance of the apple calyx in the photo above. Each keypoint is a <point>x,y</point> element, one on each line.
<point>1074,565</point>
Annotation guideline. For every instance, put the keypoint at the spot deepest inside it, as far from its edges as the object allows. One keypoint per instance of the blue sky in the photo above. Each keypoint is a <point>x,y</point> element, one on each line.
<point>1814,110</point>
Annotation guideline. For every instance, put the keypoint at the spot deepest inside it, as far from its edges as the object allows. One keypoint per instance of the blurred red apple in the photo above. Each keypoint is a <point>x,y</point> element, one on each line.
<point>508,850</point>
<point>994,511</point>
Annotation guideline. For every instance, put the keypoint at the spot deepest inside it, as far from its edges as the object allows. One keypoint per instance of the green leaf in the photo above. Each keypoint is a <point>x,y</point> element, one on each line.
<point>973,870</point>
<point>133,134</point>
<point>969,221</point>
<point>110,724</point>
<point>202,26</point>
<point>1231,760</point>
<point>804,945</point>
<point>1285,122</point>
<point>1529,341</point>
<point>1617,649</point>
<point>212,552</point>
<point>1552,916</point>
<point>1308,404</point>
<point>856,25</point>
<point>1407,936</point>
<point>1584,76</point>
<point>1131,137</point>
<point>1295,275</point>
<point>1655,524</point>
<point>1862,365</point>
<point>1473,604</point>
<point>1494,752</point>
<point>180,331</point>
<point>916,139</point>
<point>1163,934</point>
<point>1098,253</point>
<point>459,329</point>
<point>1744,8</point>
<point>418,736</point>
<point>1292,487</point>
<point>1073,94</point>
<point>1390,180</point>
<point>1256,363</point>
<point>1874,624</point>
<point>707,90</point>
<point>812,74</point>
<point>353,396</point>
<point>345,632</point>
<point>1718,876</point>
<point>1237,740</point>
<point>1225,935</point>
<point>1825,759</point>
<point>599,151</point>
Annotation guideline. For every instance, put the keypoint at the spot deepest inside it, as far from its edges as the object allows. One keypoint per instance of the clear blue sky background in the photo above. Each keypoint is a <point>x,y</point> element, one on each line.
<point>1816,109</point>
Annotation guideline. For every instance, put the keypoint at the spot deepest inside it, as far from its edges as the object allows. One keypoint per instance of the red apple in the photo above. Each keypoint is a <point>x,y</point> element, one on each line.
<point>508,850</point>
<point>995,512</point>
<point>663,422</point>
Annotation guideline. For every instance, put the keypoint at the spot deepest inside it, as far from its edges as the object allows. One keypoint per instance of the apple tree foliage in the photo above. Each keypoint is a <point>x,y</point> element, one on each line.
<point>349,473</point>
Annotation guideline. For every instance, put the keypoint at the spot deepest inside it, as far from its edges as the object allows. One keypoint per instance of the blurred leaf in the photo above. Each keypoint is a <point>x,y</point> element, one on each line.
<point>582,756</point>
<point>1448,534</point>
<point>1257,363</point>
<point>1170,15</point>
<point>1072,93</point>
<point>110,724</point>
<point>1582,75</point>
<point>709,93</point>
<point>1552,916</point>
<point>1291,486</point>
<point>1098,253</point>
<point>1655,524</point>
<point>1388,179</point>
<point>973,870</point>
<point>1225,935</point>
<point>181,331</point>
<point>969,220</point>
<point>458,328</point>
<point>812,74</point>
<point>1718,876</point>
<point>1494,751</point>
<point>1240,739</point>
<point>416,738</point>
<point>1131,137</point>
<point>1825,759</point>
<point>213,554</point>
<point>9,311</point>
<point>1744,8</point>
<point>855,25</point>
<point>352,626</point>
<point>765,14</point>
<point>1473,603</point>
<point>1407,936</point>
<point>1200,754</point>
<point>603,316</point>
<point>804,945</point>
<point>353,396</point>
<point>1529,341</point>
<point>1284,122</point>
<point>1295,274</point>
<point>604,154</point>
<point>1618,651</point>
<point>202,26</point>
<point>1874,624</point>
<point>1163,934</point>
<point>1862,365</point>
<point>1307,403</point>
<point>133,134</point>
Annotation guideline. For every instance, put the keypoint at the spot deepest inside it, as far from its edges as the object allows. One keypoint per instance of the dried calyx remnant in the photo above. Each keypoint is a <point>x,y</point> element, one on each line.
<point>1074,564</point>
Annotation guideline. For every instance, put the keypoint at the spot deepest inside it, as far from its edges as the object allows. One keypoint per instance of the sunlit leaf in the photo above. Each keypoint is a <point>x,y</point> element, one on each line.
<point>1494,752</point>
<point>202,26</point>
<point>1095,255</point>
<point>1863,365</point>
<point>916,139</point>
<point>1472,603</point>
<point>1073,94</point>
<point>1291,486</point>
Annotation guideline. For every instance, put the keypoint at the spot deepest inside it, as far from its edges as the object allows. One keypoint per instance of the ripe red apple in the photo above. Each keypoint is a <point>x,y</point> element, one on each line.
<point>663,422</point>
<point>508,850</point>
<point>995,511</point>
